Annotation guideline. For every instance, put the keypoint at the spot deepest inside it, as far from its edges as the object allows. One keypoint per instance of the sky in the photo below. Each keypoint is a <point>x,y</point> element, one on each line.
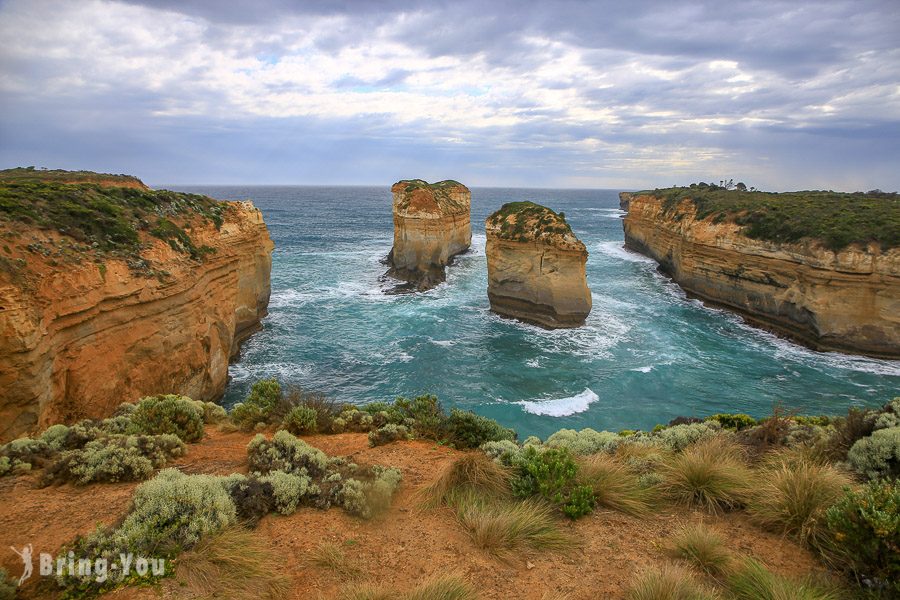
<point>606,94</point>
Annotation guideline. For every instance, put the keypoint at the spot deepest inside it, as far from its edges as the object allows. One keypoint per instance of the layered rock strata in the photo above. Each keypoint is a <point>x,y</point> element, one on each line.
<point>82,331</point>
<point>846,300</point>
<point>536,267</point>
<point>431,226</point>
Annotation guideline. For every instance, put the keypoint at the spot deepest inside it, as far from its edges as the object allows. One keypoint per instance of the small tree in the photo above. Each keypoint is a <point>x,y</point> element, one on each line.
<point>740,186</point>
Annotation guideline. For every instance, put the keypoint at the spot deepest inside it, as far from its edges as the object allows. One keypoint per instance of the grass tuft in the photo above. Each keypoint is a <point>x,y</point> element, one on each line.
<point>331,557</point>
<point>448,587</point>
<point>702,548</point>
<point>471,473</point>
<point>233,563</point>
<point>792,493</point>
<point>614,485</point>
<point>668,583</point>
<point>753,581</point>
<point>711,474</point>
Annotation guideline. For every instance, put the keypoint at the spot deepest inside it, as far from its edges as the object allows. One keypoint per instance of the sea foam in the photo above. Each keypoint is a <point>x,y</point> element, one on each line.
<point>561,407</point>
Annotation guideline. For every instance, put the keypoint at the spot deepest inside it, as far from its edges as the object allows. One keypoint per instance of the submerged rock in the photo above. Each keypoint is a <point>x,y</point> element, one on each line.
<point>431,226</point>
<point>536,267</point>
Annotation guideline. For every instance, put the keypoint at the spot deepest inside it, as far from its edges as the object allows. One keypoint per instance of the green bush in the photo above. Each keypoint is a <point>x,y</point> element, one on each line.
<point>465,430</point>
<point>177,415</point>
<point>387,434</point>
<point>19,456</point>
<point>55,437</point>
<point>581,501</point>
<point>504,451</point>
<point>114,458</point>
<point>864,527</point>
<point>877,456</point>
<point>735,421</point>
<point>174,510</point>
<point>552,475</point>
<point>368,498</point>
<point>289,490</point>
<point>679,437</point>
<point>259,405</point>
<point>285,453</point>
<point>353,419</point>
<point>584,442</point>
<point>427,413</point>
<point>7,586</point>
<point>301,419</point>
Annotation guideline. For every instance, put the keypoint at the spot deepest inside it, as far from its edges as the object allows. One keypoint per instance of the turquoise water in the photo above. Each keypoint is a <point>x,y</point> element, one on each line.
<point>646,354</point>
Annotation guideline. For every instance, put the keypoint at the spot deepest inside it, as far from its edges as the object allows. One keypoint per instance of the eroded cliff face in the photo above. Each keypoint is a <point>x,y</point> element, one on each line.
<point>847,300</point>
<point>431,226</point>
<point>536,267</point>
<point>78,336</point>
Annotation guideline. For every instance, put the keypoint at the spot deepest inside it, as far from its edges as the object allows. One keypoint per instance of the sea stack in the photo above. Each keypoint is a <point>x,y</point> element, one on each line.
<point>536,267</point>
<point>431,226</point>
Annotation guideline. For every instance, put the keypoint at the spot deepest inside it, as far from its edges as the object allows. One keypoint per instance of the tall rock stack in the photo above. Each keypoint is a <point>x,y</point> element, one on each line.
<point>431,226</point>
<point>536,267</point>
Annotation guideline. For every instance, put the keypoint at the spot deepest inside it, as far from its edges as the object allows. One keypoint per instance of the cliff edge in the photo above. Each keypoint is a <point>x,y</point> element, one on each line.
<point>431,226</point>
<point>110,292</point>
<point>820,267</point>
<point>536,267</point>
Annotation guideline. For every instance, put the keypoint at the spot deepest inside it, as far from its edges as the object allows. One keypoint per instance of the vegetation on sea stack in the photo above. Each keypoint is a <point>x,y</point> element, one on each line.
<point>836,219</point>
<point>524,221</point>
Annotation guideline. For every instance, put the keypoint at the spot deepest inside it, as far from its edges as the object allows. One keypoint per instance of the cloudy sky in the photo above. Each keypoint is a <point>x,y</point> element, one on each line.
<point>781,95</point>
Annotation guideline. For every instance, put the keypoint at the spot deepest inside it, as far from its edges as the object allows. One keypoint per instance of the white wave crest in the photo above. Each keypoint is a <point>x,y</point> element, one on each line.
<point>561,407</point>
<point>614,249</point>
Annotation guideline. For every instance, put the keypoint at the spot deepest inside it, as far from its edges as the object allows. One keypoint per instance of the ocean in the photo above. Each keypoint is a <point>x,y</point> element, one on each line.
<point>646,354</point>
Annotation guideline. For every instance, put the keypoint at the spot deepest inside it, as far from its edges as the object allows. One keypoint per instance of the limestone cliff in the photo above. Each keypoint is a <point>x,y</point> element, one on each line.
<point>624,199</point>
<point>536,267</point>
<point>431,226</point>
<point>846,299</point>
<point>141,292</point>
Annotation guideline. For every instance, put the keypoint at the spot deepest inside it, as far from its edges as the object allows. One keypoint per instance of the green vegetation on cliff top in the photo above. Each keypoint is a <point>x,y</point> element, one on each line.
<point>524,221</point>
<point>834,218</point>
<point>58,175</point>
<point>106,217</point>
<point>440,190</point>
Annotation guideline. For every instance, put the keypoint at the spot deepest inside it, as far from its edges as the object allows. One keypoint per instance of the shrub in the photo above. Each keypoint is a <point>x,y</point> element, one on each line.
<point>551,474</point>
<point>877,456</point>
<point>55,437</point>
<point>427,413</point>
<point>366,499</point>
<point>262,400</point>
<point>326,408</point>
<point>711,474</point>
<point>253,498</point>
<point>19,456</point>
<point>864,529</point>
<point>858,424</point>
<point>472,473</point>
<point>503,452</point>
<point>301,419</point>
<point>614,486</point>
<point>667,583</point>
<point>285,453</point>
<point>233,563</point>
<point>387,434</point>
<point>353,419</point>
<point>114,458</point>
<point>506,529</point>
<point>176,415</point>
<point>289,490</point>
<point>579,502</point>
<point>584,442</point>
<point>702,548</point>
<point>176,510</point>
<point>792,493</point>
<point>736,421</point>
<point>465,430</point>
<point>7,586</point>
<point>679,437</point>
<point>753,581</point>
<point>212,413</point>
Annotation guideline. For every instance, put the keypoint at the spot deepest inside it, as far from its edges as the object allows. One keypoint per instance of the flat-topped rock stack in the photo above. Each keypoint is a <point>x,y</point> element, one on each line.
<point>431,226</point>
<point>536,267</point>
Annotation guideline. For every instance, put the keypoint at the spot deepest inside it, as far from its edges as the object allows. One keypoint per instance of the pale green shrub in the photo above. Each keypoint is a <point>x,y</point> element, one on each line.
<point>55,437</point>
<point>212,413</point>
<point>177,509</point>
<point>503,451</point>
<point>367,498</point>
<point>300,419</point>
<point>21,454</point>
<point>169,413</point>
<point>532,440</point>
<point>259,405</point>
<point>5,465</point>
<point>114,458</point>
<point>290,490</point>
<point>387,434</point>
<point>285,453</point>
<point>679,437</point>
<point>7,586</point>
<point>877,456</point>
<point>584,442</point>
<point>353,419</point>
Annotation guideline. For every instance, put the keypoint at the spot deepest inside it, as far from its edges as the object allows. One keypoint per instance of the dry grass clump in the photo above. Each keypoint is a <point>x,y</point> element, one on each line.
<point>702,548</point>
<point>232,564</point>
<point>711,474</point>
<point>471,473</point>
<point>668,583</point>
<point>331,557</point>
<point>614,485</point>
<point>753,581</point>
<point>448,587</point>
<point>508,529</point>
<point>792,492</point>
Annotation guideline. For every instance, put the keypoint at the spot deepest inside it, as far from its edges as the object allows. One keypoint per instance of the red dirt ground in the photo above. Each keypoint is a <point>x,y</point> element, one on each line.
<point>400,548</point>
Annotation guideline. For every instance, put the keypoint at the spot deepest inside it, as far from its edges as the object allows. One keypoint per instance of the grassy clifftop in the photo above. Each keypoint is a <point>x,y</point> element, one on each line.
<point>524,221</point>
<point>836,219</point>
<point>439,191</point>
<point>106,217</point>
